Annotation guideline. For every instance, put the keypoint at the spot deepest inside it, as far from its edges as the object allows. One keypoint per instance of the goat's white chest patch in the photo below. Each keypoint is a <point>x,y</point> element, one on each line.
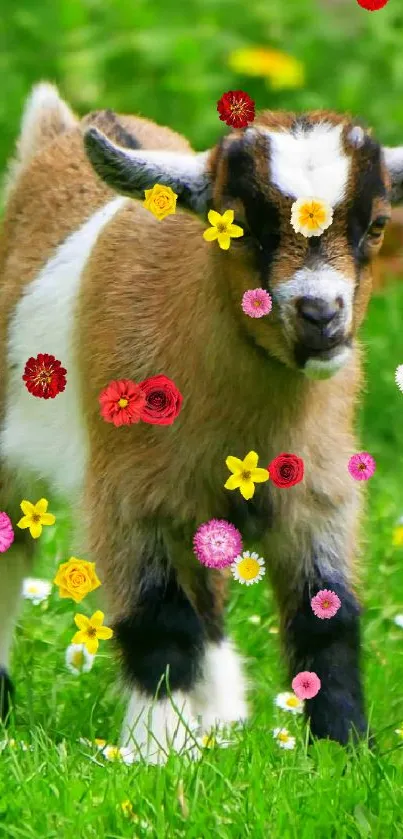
<point>311,163</point>
<point>46,437</point>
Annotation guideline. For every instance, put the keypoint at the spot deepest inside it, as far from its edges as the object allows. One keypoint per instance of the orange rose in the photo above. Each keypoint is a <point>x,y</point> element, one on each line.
<point>76,578</point>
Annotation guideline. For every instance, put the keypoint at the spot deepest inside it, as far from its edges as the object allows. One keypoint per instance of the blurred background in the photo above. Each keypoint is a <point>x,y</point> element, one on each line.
<point>171,61</point>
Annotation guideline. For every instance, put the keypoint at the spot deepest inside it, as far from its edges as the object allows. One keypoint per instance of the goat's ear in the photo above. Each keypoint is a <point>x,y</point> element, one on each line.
<point>394,164</point>
<point>130,172</point>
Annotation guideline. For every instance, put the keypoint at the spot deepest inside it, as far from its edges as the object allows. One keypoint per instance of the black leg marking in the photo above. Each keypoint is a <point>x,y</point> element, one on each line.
<point>331,649</point>
<point>6,694</point>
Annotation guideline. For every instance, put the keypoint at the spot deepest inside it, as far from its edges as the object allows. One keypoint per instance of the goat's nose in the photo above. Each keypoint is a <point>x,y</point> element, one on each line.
<point>316,311</point>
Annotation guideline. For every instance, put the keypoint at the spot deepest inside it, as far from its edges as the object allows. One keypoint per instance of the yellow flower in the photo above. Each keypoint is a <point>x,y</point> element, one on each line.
<point>245,474</point>
<point>91,630</point>
<point>35,516</point>
<point>76,578</point>
<point>222,229</point>
<point>127,808</point>
<point>248,568</point>
<point>311,216</point>
<point>397,539</point>
<point>282,70</point>
<point>160,200</point>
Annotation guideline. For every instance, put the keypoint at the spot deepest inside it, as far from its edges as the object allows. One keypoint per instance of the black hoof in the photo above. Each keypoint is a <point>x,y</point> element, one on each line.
<point>6,694</point>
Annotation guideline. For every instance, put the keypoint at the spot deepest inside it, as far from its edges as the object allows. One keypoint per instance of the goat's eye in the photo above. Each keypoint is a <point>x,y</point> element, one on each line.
<point>376,229</point>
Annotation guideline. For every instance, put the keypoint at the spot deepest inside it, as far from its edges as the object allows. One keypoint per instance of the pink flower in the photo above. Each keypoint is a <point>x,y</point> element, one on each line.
<point>256,303</point>
<point>361,466</point>
<point>306,685</point>
<point>217,543</point>
<point>6,533</point>
<point>325,604</point>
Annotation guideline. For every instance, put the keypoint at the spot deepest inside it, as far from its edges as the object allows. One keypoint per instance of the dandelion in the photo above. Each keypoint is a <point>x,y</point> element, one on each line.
<point>44,376</point>
<point>306,685</point>
<point>236,108</point>
<point>36,590</point>
<point>361,466</point>
<point>311,216</point>
<point>127,808</point>
<point>91,631</point>
<point>78,659</point>
<point>284,739</point>
<point>122,402</point>
<point>325,604</point>
<point>6,533</point>
<point>282,70</point>
<point>216,543</point>
<point>35,517</point>
<point>256,302</point>
<point>288,701</point>
<point>222,228</point>
<point>245,474</point>
<point>399,377</point>
<point>248,568</point>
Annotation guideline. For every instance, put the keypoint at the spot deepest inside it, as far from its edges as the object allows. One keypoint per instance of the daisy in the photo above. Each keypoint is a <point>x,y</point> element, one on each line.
<point>245,474</point>
<point>248,568</point>
<point>236,108</point>
<point>311,216</point>
<point>35,517</point>
<point>90,631</point>
<point>255,619</point>
<point>399,731</point>
<point>325,604</point>
<point>399,377</point>
<point>78,659</point>
<point>398,620</point>
<point>6,533</point>
<point>216,543</point>
<point>256,302</point>
<point>122,402</point>
<point>284,739</point>
<point>306,685</point>
<point>118,753</point>
<point>222,229</point>
<point>44,376</point>
<point>289,702</point>
<point>361,466</point>
<point>36,590</point>
<point>210,740</point>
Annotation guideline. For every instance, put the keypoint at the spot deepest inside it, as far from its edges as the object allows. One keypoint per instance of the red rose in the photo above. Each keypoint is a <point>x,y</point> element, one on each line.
<point>286,470</point>
<point>163,400</point>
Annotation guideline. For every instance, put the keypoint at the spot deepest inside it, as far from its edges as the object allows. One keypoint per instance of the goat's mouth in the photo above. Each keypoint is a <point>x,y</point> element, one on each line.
<point>322,363</point>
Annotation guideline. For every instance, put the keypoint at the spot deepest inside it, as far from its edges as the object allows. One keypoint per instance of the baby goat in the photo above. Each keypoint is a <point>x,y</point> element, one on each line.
<point>94,279</point>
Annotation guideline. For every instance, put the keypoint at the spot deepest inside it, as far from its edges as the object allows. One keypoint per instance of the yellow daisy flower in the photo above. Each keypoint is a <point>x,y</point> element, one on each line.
<point>397,539</point>
<point>35,516</point>
<point>245,474</point>
<point>248,568</point>
<point>90,631</point>
<point>222,229</point>
<point>311,216</point>
<point>281,70</point>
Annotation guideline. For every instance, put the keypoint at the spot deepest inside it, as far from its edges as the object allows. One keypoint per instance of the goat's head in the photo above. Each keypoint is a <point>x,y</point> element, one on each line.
<point>320,285</point>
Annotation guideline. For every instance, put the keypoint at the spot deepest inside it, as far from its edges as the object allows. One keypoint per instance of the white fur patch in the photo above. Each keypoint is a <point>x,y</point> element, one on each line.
<point>43,104</point>
<point>325,282</point>
<point>47,436</point>
<point>176,164</point>
<point>310,164</point>
<point>154,727</point>
<point>219,697</point>
<point>316,368</point>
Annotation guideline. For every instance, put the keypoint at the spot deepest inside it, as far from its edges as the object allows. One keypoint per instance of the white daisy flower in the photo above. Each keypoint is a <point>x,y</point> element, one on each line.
<point>213,740</point>
<point>399,377</point>
<point>398,619</point>
<point>289,702</point>
<point>118,753</point>
<point>36,590</point>
<point>399,731</point>
<point>11,743</point>
<point>256,619</point>
<point>284,739</point>
<point>248,568</point>
<point>78,659</point>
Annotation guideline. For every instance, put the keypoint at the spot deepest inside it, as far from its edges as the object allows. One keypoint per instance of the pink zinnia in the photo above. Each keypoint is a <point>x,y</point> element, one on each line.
<point>6,533</point>
<point>256,303</point>
<point>306,685</point>
<point>325,604</point>
<point>361,466</point>
<point>216,543</point>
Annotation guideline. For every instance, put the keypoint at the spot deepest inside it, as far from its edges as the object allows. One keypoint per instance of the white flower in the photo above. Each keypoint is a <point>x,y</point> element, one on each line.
<point>78,659</point>
<point>36,590</point>
<point>289,702</point>
<point>212,740</point>
<point>119,753</point>
<point>398,619</point>
<point>284,739</point>
<point>248,568</point>
<point>311,216</point>
<point>256,619</point>
<point>399,377</point>
<point>14,744</point>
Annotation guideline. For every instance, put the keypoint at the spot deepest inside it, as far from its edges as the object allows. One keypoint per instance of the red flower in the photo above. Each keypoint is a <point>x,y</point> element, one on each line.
<point>286,470</point>
<point>122,402</point>
<point>236,108</point>
<point>44,376</point>
<point>372,5</point>
<point>163,400</point>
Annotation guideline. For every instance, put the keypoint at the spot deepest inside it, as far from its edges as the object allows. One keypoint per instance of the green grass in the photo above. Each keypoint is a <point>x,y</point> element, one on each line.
<point>253,789</point>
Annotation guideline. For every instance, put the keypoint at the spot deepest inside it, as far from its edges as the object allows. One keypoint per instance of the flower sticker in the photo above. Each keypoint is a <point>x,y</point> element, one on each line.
<point>35,517</point>
<point>325,604</point>
<point>217,543</point>
<point>399,377</point>
<point>361,466</point>
<point>91,631</point>
<point>372,5</point>
<point>245,474</point>
<point>162,400</point>
<point>281,70</point>
<point>256,303</point>
<point>286,470</point>
<point>76,578</point>
<point>306,685</point>
<point>311,216</point>
<point>222,229</point>
<point>6,533</point>
<point>160,201</point>
<point>44,376</point>
<point>122,402</point>
<point>248,568</point>
<point>236,108</point>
